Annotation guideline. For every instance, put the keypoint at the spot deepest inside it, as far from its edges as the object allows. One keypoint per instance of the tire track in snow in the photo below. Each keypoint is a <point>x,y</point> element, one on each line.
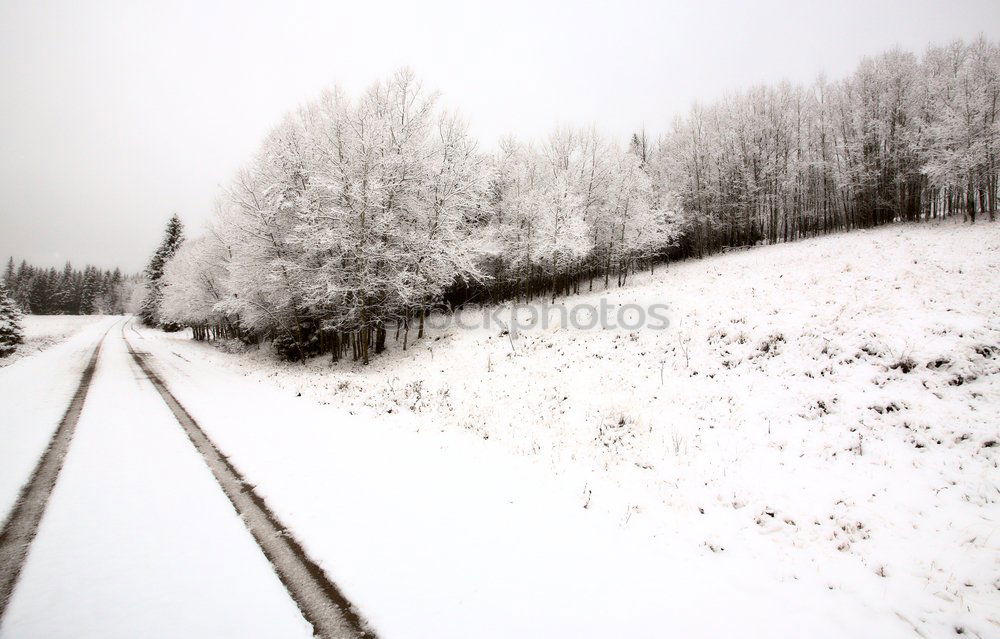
<point>320,601</point>
<point>21,526</point>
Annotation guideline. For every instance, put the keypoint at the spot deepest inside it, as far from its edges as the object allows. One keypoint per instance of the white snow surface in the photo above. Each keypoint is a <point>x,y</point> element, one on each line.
<point>34,394</point>
<point>810,450</point>
<point>44,331</point>
<point>137,539</point>
<point>57,326</point>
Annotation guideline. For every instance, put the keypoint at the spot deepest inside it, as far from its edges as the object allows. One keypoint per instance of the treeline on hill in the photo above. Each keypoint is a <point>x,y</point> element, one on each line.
<point>357,216</point>
<point>901,139</point>
<point>90,291</point>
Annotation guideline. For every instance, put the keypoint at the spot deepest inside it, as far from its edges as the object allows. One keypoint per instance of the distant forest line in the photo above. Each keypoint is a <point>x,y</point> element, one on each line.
<point>69,291</point>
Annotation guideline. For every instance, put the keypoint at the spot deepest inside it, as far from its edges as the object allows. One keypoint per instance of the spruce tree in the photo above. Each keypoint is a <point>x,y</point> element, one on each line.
<point>11,333</point>
<point>64,293</point>
<point>172,239</point>
<point>89,291</point>
<point>8,274</point>
<point>41,293</point>
<point>22,291</point>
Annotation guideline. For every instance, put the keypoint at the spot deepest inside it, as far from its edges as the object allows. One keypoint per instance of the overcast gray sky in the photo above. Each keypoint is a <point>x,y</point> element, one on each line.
<point>115,114</point>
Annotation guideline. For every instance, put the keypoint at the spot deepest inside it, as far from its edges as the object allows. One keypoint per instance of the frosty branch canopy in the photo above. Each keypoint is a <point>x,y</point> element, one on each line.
<point>357,213</point>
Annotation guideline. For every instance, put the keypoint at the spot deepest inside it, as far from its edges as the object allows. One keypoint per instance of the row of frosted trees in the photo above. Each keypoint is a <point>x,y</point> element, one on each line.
<point>900,139</point>
<point>358,215</point>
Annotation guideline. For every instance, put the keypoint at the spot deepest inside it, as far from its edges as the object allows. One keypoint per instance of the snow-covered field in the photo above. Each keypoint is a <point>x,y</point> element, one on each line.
<point>44,331</point>
<point>814,438</point>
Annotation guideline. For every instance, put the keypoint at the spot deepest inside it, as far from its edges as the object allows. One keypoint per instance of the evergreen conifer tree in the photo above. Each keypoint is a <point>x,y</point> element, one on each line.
<point>172,239</point>
<point>89,291</point>
<point>11,333</point>
<point>8,274</point>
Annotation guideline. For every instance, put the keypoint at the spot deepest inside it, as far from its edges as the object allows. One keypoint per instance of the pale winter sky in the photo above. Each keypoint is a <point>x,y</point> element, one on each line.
<point>115,114</point>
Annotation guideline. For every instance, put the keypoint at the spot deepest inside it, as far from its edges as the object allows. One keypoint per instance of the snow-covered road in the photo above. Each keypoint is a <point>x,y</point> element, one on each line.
<point>34,393</point>
<point>137,538</point>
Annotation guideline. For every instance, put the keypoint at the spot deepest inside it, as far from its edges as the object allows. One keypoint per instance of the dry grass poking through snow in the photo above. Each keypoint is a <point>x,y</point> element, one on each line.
<point>830,406</point>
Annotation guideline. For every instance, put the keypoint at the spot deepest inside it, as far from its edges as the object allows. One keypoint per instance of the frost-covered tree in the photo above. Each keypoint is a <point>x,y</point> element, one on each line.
<point>196,287</point>
<point>360,210</point>
<point>253,223</point>
<point>133,294</point>
<point>639,223</point>
<point>11,331</point>
<point>172,238</point>
<point>561,229</point>
<point>578,206</point>
<point>962,138</point>
<point>512,227</point>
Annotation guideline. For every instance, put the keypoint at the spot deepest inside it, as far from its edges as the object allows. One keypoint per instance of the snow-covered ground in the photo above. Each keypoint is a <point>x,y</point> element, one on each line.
<point>137,538</point>
<point>56,326</point>
<point>434,533</point>
<point>34,394</point>
<point>811,449</point>
<point>44,331</point>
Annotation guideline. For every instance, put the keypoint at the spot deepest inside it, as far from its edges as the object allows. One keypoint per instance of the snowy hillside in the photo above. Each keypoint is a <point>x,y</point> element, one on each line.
<point>828,409</point>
